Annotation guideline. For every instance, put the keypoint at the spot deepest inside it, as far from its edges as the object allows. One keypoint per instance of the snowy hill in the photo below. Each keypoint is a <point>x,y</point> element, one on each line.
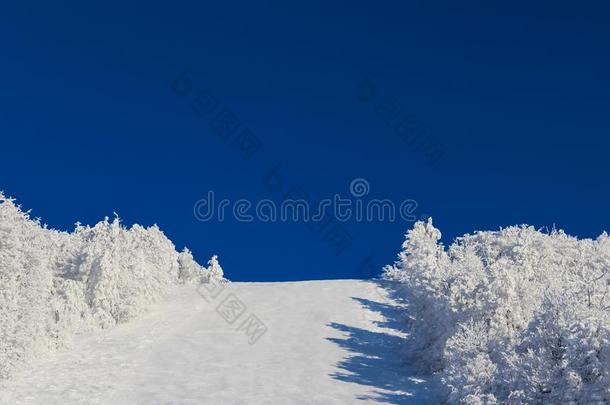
<point>318,342</point>
<point>109,314</point>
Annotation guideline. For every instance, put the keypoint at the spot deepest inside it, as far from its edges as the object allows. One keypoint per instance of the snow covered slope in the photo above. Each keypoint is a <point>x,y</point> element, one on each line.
<point>318,342</point>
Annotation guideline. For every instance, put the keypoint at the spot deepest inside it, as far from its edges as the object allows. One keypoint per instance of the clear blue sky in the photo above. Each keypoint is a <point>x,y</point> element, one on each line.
<point>517,92</point>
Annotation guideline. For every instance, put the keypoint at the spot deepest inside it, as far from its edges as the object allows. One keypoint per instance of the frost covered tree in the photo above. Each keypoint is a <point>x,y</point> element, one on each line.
<point>422,266</point>
<point>511,316</point>
<point>189,270</point>
<point>215,273</point>
<point>25,285</point>
<point>54,284</point>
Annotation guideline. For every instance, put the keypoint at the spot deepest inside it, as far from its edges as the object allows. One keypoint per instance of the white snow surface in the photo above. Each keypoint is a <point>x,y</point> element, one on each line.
<point>326,342</point>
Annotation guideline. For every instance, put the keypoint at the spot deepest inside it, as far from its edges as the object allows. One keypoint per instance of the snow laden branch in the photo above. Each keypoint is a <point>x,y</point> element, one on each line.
<point>513,316</point>
<point>55,284</point>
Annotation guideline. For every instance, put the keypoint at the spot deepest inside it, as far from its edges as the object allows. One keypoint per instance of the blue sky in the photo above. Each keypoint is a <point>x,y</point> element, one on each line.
<point>517,94</point>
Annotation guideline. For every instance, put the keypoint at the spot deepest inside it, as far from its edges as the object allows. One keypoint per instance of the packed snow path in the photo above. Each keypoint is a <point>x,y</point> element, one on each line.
<point>320,342</point>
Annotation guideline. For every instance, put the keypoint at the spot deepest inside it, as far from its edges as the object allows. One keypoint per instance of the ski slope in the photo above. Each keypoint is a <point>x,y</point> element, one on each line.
<point>318,342</point>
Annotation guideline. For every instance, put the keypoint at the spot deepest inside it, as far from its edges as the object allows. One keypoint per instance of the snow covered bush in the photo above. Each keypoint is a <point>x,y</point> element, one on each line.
<point>190,270</point>
<point>55,284</point>
<point>215,272</point>
<point>512,316</point>
<point>25,285</point>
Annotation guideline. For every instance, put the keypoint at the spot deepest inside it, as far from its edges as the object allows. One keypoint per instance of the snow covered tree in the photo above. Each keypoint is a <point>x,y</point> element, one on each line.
<point>422,267</point>
<point>512,316</point>
<point>189,270</point>
<point>215,273</point>
<point>53,284</point>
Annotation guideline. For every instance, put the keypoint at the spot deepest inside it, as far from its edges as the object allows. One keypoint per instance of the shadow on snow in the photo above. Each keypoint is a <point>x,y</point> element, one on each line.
<point>377,358</point>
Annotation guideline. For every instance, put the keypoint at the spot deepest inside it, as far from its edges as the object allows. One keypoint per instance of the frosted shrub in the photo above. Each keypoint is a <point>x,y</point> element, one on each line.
<point>512,316</point>
<point>126,269</point>
<point>190,270</point>
<point>25,282</point>
<point>55,284</point>
<point>214,271</point>
<point>422,263</point>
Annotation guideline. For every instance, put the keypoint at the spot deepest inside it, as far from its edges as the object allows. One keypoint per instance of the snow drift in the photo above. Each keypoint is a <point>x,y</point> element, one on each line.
<point>54,284</point>
<point>512,316</point>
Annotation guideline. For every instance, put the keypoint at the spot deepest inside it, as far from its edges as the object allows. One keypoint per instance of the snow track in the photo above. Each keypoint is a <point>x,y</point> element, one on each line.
<point>320,342</point>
